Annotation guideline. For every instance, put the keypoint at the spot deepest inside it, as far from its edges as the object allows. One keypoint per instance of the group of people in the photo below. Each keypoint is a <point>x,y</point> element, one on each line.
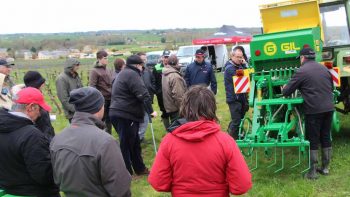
<point>85,161</point>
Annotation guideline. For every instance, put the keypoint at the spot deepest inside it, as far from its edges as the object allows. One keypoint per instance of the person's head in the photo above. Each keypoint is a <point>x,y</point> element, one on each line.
<point>34,79</point>
<point>119,64</point>
<point>237,56</point>
<point>5,67</point>
<point>88,100</point>
<point>143,56</point>
<point>241,48</point>
<point>173,62</point>
<point>5,98</point>
<point>72,64</point>
<point>198,103</point>
<point>307,54</point>
<point>29,101</point>
<point>136,61</point>
<point>200,55</point>
<point>165,56</point>
<point>102,57</point>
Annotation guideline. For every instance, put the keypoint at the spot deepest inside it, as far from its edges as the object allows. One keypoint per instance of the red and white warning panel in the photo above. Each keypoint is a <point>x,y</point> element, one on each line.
<point>335,76</point>
<point>241,83</point>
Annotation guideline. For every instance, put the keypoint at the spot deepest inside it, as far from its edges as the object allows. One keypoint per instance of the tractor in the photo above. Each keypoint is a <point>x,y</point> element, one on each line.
<point>277,122</point>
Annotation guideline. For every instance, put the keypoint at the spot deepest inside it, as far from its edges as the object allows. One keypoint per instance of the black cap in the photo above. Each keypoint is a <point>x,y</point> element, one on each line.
<point>308,53</point>
<point>166,53</point>
<point>33,79</point>
<point>200,52</point>
<point>3,62</point>
<point>86,99</point>
<point>134,59</point>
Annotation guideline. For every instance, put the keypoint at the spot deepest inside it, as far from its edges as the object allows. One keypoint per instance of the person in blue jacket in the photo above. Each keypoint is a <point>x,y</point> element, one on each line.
<point>238,103</point>
<point>200,72</point>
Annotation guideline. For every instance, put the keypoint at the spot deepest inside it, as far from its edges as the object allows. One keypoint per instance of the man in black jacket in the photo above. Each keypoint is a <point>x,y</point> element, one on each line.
<point>129,100</point>
<point>316,86</point>
<point>25,165</point>
<point>43,123</point>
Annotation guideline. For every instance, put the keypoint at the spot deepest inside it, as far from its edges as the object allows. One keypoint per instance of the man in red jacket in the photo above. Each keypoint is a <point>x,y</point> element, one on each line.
<point>196,157</point>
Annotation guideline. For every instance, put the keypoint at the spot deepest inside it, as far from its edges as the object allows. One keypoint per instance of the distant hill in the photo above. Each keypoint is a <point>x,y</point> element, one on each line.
<point>105,39</point>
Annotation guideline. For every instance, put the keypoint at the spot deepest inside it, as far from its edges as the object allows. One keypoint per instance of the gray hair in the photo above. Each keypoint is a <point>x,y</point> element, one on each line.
<point>18,107</point>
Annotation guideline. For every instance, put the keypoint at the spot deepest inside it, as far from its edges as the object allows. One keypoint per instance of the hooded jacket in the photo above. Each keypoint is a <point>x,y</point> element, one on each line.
<point>101,78</point>
<point>173,88</point>
<point>25,165</point>
<point>88,161</point>
<point>65,83</point>
<point>198,159</point>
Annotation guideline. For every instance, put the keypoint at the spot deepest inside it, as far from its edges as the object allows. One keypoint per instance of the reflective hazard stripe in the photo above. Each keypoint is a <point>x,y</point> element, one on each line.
<point>241,84</point>
<point>335,76</point>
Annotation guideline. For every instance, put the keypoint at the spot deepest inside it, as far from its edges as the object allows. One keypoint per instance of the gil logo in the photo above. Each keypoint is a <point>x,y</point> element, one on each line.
<point>270,48</point>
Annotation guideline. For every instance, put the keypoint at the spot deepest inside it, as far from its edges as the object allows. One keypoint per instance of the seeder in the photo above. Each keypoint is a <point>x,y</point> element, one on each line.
<point>277,122</point>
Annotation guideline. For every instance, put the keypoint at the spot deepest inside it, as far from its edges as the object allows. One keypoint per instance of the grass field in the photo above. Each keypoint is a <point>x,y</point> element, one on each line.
<point>288,182</point>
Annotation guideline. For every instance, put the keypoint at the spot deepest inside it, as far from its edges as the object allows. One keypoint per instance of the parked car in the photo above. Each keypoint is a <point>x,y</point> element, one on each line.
<point>153,58</point>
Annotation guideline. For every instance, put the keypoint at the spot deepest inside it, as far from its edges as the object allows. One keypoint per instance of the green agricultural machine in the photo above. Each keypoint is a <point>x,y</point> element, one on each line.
<point>277,122</point>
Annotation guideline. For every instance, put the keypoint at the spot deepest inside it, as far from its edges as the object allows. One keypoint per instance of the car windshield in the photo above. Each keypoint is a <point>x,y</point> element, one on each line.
<point>187,51</point>
<point>335,27</point>
<point>153,58</point>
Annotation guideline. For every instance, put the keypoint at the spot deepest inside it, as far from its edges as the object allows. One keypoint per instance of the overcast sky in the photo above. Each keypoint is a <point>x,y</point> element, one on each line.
<point>48,16</point>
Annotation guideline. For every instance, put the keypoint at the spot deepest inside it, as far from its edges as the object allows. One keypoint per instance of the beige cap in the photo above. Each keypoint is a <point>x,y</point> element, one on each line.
<point>5,99</point>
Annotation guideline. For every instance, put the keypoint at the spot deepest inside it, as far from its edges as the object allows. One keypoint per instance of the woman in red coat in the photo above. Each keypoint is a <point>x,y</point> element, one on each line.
<point>196,158</point>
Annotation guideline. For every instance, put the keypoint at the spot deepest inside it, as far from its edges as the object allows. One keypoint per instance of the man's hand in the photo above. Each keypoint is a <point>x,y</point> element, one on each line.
<point>154,114</point>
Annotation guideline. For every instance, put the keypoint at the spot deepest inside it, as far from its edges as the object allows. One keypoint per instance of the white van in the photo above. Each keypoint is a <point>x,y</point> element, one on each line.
<point>217,55</point>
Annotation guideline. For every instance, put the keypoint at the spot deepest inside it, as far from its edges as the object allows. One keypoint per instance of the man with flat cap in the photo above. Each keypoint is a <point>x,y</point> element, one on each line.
<point>87,161</point>
<point>6,83</point>
<point>130,98</point>
<point>65,83</point>
<point>315,84</point>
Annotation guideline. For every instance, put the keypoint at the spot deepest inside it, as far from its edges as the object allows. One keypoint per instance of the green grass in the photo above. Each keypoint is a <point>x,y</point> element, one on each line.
<point>288,182</point>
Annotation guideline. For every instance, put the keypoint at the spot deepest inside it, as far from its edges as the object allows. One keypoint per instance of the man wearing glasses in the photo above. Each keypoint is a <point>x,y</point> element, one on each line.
<point>200,72</point>
<point>25,164</point>
<point>65,83</point>
<point>237,103</point>
<point>101,78</point>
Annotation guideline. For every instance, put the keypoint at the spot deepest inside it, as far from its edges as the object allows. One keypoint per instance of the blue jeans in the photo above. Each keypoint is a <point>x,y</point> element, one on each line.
<point>143,126</point>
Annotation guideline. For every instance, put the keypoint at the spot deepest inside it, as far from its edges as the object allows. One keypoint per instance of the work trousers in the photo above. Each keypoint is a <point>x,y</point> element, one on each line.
<point>129,143</point>
<point>106,118</point>
<point>237,111</point>
<point>318,129</point>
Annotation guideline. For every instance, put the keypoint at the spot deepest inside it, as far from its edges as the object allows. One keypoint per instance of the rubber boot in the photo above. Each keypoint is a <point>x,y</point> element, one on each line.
<point>312,174</point>
<point>166,122</point>
<point>326,157</point>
